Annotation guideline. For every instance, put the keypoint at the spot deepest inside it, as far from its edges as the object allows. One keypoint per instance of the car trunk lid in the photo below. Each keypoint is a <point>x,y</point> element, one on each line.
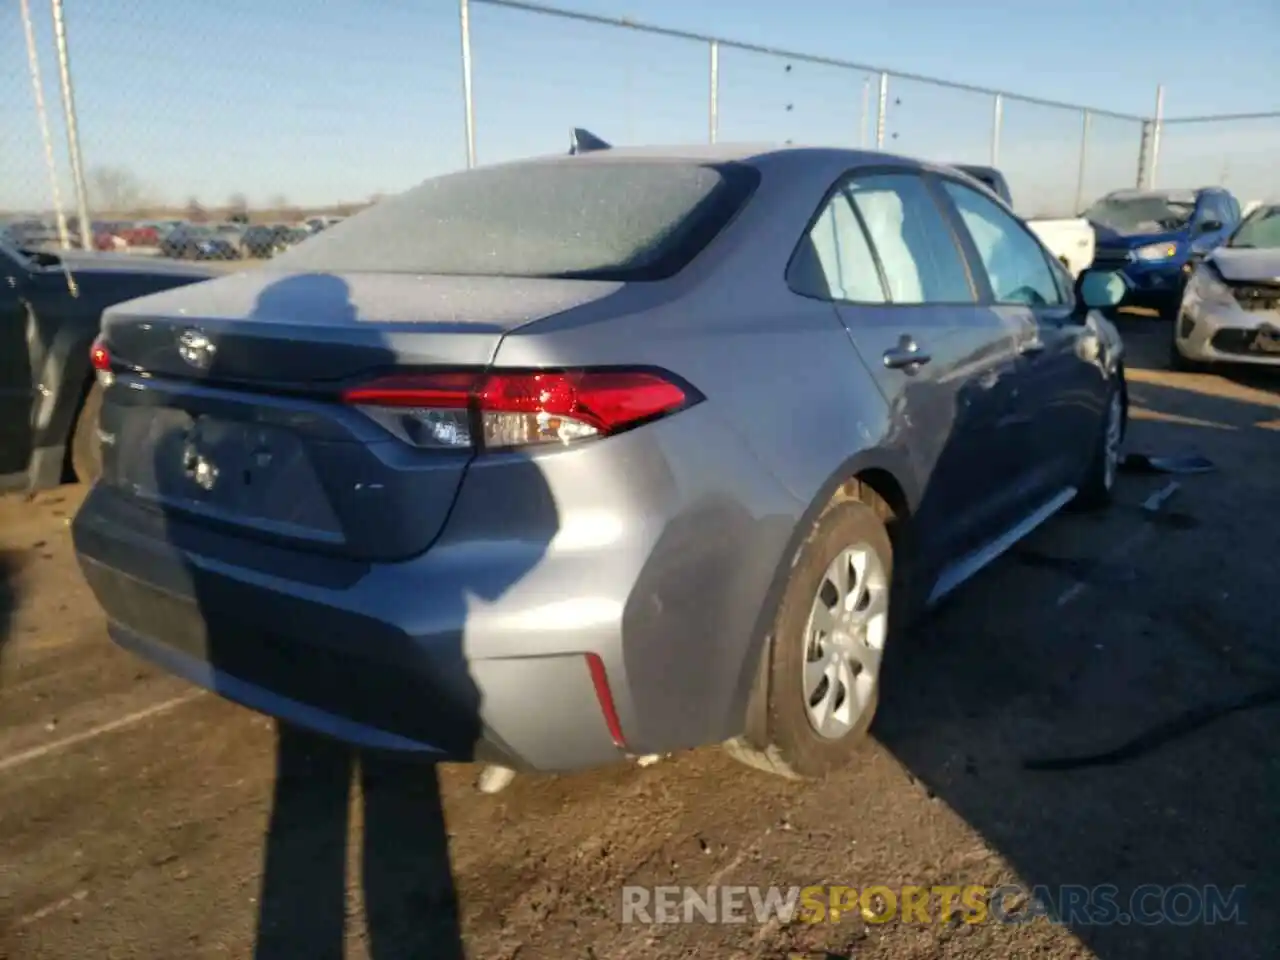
<point>225,410</point>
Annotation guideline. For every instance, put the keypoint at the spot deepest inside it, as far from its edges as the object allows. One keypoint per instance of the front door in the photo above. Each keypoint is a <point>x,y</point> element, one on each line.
<point>1050,425</point>
<point>940,360</point>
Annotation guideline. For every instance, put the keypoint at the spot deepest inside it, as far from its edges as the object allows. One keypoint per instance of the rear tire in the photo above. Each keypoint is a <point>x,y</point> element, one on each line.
<point>86,448</point>
<point>824,656</point>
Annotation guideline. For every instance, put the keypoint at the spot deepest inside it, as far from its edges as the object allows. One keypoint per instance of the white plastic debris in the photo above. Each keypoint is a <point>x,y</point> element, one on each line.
<point>494,779</point>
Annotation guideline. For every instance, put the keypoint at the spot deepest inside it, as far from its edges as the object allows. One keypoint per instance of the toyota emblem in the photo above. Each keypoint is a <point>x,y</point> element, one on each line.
<point>195,348</point>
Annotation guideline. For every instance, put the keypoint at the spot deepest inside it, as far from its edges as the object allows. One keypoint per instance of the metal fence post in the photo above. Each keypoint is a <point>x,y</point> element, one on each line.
<point>1084,156</point>
<point>997,117</point>
<point>468,102</point>
<point>1144,145</point>
<point>882,109</point>
<point>42,115</point>
<point>73,130</point>
<point>866,111</point>
<point>1157,125</point>
<point>713,117</point>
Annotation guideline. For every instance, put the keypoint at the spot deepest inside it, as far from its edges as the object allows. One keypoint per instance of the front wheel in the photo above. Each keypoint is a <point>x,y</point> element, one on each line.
<point>1099,481</point>
<point>826,649</point>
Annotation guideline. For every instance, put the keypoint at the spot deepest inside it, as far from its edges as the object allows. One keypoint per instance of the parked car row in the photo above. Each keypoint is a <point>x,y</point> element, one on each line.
<point>178,239</point>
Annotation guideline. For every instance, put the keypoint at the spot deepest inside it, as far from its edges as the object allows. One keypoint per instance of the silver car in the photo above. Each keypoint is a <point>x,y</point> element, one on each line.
<point>1230,310</point>
<point>572,459</point>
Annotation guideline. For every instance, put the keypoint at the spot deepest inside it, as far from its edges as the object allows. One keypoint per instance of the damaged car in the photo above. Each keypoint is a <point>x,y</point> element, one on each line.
<point>1153,237</point>
<point>571,460</point>
<point>1230,311</point>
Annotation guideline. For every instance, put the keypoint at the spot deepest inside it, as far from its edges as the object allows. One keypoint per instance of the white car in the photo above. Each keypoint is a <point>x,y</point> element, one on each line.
<point>1230,310</point>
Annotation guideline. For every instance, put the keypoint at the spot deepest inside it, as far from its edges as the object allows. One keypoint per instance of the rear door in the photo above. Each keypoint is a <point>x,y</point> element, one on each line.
<point>905,296</point>
<point>1049,427</point>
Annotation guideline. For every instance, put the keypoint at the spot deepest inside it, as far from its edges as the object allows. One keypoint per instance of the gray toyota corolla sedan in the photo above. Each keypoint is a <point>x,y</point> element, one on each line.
<point>1230,309</point>
<point>572,459</point>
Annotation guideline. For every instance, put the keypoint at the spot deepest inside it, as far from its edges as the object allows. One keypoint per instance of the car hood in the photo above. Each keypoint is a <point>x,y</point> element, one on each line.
<point>1111,237</point>
<point>83,261</point>
<point>1262,266</point>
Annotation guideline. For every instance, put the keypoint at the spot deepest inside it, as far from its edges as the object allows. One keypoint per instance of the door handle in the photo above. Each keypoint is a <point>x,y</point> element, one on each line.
<point>907,355</point>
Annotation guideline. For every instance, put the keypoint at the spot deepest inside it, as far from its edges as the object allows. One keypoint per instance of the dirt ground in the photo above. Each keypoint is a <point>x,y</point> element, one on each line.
<point>141,819</point>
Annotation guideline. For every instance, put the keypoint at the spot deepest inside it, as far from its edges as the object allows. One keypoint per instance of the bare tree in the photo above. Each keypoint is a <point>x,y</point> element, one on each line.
<point>195,212</point>
<point>238,208</point>
<point>115,190</point>
<point>282,209</point>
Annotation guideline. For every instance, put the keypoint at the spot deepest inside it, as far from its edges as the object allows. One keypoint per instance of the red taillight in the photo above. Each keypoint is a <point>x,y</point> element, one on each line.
<point>100,360</point>
<point>516,408</point>
<point>100,357</point>
<point>443,390</point>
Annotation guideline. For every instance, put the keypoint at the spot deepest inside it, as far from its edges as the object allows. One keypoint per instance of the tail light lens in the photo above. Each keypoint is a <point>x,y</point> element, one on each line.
<point>464,410</point>
<point>100,360</point>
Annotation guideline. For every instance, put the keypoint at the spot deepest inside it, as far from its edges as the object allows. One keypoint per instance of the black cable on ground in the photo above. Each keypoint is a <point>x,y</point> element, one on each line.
<point>1180,726</point>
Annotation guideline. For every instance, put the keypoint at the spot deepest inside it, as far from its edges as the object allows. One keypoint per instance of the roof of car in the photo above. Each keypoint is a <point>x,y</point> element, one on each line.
<point>750,153</point>
<point>1173,195</point>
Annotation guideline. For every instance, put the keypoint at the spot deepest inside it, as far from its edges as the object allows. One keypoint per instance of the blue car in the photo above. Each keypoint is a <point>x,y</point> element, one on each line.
<point>1152,236</point>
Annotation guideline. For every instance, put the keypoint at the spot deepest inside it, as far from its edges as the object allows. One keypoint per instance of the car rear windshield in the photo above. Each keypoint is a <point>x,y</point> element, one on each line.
<point>609,220</point>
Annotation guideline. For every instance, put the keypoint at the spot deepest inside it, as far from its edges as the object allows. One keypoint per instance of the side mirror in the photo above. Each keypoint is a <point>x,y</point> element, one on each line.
<point>1210,226</point>
<point>1101,289</point>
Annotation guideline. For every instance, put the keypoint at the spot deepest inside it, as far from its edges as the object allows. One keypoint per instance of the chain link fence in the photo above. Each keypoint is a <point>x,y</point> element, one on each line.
<point>233,130</point>
<point>229,131</point>
<point>34,184</point>
<point>1239,153</point>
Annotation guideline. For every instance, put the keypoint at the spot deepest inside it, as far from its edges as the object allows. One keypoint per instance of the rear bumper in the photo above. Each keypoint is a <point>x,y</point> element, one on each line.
<point>316,655</point>
<point>482,647</point>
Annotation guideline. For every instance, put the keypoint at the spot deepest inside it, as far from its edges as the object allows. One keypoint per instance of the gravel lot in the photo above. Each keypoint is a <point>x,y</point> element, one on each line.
<point>141,819</point>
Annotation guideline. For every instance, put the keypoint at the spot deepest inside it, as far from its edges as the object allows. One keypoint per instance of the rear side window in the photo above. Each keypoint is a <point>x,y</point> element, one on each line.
<point>834,260</point>
<point>921,261</point>
<point>591,219</point>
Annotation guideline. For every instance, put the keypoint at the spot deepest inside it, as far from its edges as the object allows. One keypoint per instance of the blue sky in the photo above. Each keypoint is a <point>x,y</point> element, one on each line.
<point>320,101</point>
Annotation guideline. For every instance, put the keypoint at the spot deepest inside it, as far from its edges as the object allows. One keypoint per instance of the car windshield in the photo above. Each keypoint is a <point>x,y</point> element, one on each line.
<point>609,220</point>
<point>1142,213</point>
<point>1261,230</point>
<point>198,233</point>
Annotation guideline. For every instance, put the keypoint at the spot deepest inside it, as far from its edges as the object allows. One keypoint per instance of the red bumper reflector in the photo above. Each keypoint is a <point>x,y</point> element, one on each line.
<point>605,697</point>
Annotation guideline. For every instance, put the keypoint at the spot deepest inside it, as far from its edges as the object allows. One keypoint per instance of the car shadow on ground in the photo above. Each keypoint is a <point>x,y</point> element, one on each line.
<point>230,641</point>
<point>8,598</point>
<point>1135,855</point>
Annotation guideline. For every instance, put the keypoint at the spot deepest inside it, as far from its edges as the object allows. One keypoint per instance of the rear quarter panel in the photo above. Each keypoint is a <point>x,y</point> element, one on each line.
<point>789,412</point>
